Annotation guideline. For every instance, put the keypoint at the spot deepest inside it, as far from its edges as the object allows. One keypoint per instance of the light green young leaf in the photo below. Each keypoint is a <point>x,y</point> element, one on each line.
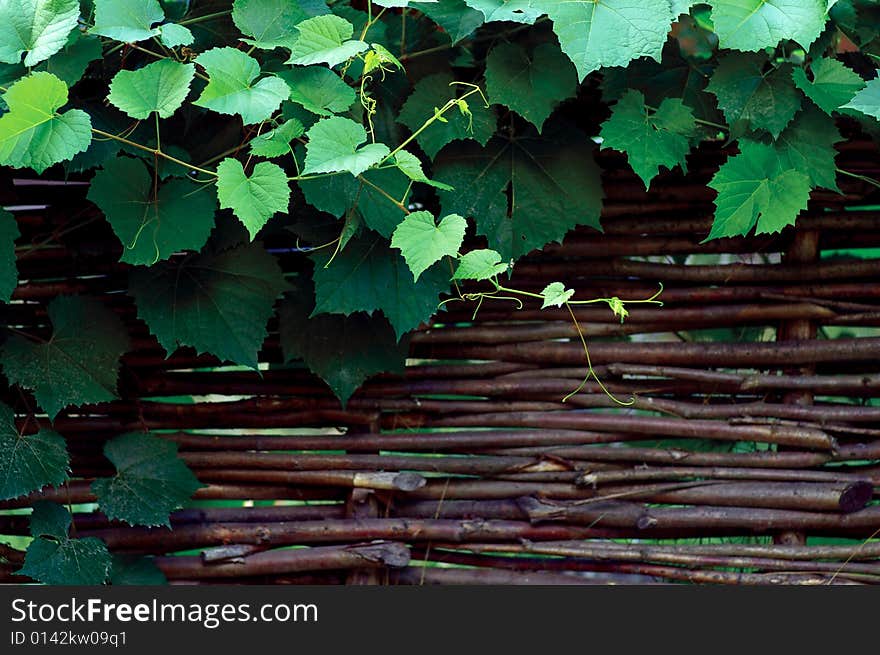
<point>8,270</point>
<point>161,87</point>
<point>479,265</point>
<point>152,228</point>
<point>753,25</point>
<point>866,101</point>
<point>29,462</point>
<point>54,558</point>
<point>556,295</point>
<point>232,88</point>
<point>530,84</point>
<point>217,303</point>
<point>32,133</point>
<point>269,23</point>
<point>151,481</point>
<point>325,40</point>
<point>833,85</point>
<point>423,243</point>
<point>255,199</point>
<point>411,166</point>
<point>515,11</point>
<point>78,365</point>
<point>172,35</point>
<point>319,90</point>
<point>276,143</point>
<point>36,27</point>
<point>650,139</point>
<point>597,33</point>
<point>127,20</point>
<point>754,189</point>
<point>334,146</point>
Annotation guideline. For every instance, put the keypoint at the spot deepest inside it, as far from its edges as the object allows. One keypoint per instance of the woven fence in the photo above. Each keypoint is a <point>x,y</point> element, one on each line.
<point>749,455</point>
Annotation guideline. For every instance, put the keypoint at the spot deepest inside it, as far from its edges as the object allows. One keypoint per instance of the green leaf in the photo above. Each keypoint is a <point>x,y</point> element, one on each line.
<point>325,40</point>
<point>479,265</point>
<point>807,145</point>
<point>255,199</point>
<point>344,351</point>
<point>135,570</point>
<point>833,85</point>
<point>127,20</point>
<point>367,275</point>
<point>161,87</point>
<point>753,25</point>
<point>269,23</point>
<point>172,35</point>
<point>524,192</point>
<point>650,139</point>
<point>333,146</point>
<point>431,93</point>
<point>232,90</point>
<point>755,190</point>
<point>319,90</point>
<point>556,295</point>
<point>152,228</point>
<point>54,558</point>
<point>423,243</point>
<point>276,143</point>
<point>29,462</point>
<point>36,27</point>
<point>71,62</point>
<point>32,132</point>
<point>457,19</point>
<point>79,364</point>
<point>597,33</point>
<point>516,11</point>
<point>8,270</point>
<point>217,303</point>
<point>866,101</point>
<point>151,481</point>
<point>531,85</point>
<point>411,166</point>
<point>755,99</point>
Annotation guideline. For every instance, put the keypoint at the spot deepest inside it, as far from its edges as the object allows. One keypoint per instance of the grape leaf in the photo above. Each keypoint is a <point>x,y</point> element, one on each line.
<point>680,7</point>
<point>54,558</point>
<point>32,132</point>
<point>276,143</point>
<point>752,98</point>
<point>422,242</point>
<point>753,25</point>
<point>135,570</point>
<point>71,61</point>
<point>151,228</point>
<point>127,20</point>
<point>29,462</point>
<point>552,181</point>
<point>232,90</point>
<point>319,90</point>
<point>78,364</point>
<point>172,35</point>
<point>217,303</point>
<point>367,275</point>
<point>159,87</point>
<point>456,18</point>
<point>411,166</point>
<point>151,481</point>
<point>325,40</point>
<point>36,27</point>
<point>531,85</point>
<point>431,93</point>
<point>269,23</point>
<point>807,145</point>
<point>866,101</point>
<point>401,3</point>
<point>8,270</point>
<point>342,350</point>
<point>755,189</point>
<point>479,265</point>
<point>516,11</point>
<point>253,199</point>
<point>650,139</point>
<point>333,146</point>
<point>833,85</point>
<point>597,33</point>
<point>556,295</point>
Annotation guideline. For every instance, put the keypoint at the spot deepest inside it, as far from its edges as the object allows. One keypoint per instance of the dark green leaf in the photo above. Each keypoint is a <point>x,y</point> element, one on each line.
<point>29,462</point>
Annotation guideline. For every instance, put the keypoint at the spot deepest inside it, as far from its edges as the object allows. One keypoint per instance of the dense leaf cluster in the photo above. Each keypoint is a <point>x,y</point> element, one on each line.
<point>371,137</point>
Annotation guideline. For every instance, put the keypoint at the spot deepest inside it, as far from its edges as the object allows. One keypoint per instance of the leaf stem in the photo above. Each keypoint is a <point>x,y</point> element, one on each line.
<point>201,19</point>
<point>154,151</point>
<point>863,178</point>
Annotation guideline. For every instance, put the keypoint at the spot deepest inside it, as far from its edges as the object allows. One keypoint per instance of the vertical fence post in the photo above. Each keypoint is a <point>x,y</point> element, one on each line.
<point>363,504</point>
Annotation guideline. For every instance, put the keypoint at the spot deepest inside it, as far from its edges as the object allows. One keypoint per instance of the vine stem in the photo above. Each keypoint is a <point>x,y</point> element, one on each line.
<point>863,178</point>
<point>154,151</point>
